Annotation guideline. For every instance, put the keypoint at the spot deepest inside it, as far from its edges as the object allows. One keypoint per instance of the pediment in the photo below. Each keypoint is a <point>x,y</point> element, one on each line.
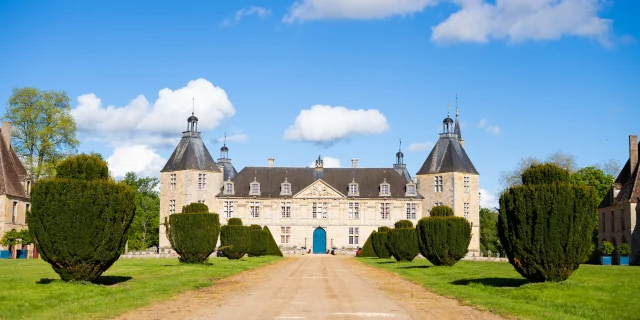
<point>319,189</point>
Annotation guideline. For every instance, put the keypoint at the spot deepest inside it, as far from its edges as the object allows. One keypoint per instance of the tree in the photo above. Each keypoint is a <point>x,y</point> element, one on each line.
<point>272,246</point>
<point>489,240</point>
<point>45,131</point>
<point>193,233</point>
<point>402,241</point>
<point>144,229</point>
<point>443,240</point>
<point>558,158</point>
<point>235,239</point>
<point>367,249</point>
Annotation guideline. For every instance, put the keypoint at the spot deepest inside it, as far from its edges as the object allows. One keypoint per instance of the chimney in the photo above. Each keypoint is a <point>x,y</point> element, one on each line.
<point>6,133</point>
<point>270,162</point>
<point>354,162</point>
<point>633,152</point>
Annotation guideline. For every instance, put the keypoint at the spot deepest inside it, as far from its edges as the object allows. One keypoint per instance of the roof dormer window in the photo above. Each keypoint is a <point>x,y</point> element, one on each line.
<point>385,189</point>
<point>410,190</point>
<point>254,188</point>
<point>354,190</point>
<point>285,188</point>
<point>229,189</point>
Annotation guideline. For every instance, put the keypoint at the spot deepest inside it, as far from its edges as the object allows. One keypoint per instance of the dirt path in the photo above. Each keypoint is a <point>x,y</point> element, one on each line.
<point>311,287</point>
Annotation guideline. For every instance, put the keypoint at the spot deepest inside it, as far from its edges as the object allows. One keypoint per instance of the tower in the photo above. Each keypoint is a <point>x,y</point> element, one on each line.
<point>449,178</point>
<point>399,166</point>
<point>224,163</point>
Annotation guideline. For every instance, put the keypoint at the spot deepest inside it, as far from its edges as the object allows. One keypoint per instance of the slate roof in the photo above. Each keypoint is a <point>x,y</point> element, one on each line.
<point>228,170</point>
<point>447,156</point>
<point>629,185</point>
<point>190,154</point>
<point>270,178</point>
<point>12,172</point>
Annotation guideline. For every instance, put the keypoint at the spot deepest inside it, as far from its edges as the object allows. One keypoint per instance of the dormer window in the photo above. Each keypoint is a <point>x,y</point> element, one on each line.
<point>385,189</point>
<point>285,188</point>
<point>411,190</point>
<point>353,189</point>
<point>228,188</point>
<point>254,188</point>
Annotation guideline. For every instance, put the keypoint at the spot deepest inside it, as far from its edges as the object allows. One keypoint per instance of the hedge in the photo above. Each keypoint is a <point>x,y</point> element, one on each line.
<point>80,226</point>
<point>443,240</point>
<point>441,211</point>
<point>379,242</point>
<point>272,246</point>
<point>259,242</point>
<point>196,207</point>
<point>367,249</point>
<point>403,243</point>
<point>546,229</point>
<point>235,241</point>
<point>234,222</point>
<point>255,227</point>
<point>547,173</point>
<point>403,224</point>
<point>193,235</point>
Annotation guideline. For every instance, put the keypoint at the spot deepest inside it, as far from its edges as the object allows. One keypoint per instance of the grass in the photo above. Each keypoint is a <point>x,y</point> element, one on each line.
<point>592,292</point>
<point>30,289</point>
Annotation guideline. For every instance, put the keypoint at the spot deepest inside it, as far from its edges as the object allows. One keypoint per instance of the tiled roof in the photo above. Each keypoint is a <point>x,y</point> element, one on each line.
<point>629,185</point>
<point>191,154</point>
<point>447,156</point>
<point>12,172</point>
<point>270,179</point>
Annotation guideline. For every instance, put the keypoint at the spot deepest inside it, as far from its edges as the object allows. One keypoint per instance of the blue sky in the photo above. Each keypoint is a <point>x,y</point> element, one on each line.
<point>532,77</point>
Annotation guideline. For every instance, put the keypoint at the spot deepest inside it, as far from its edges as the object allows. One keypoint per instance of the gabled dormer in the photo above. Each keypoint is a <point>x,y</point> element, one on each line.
<point>285,188</point>
<point>354,189</point>
<point>410,190</point>
<point>254,188</point>
<point>385,188</point>
<point>229,188</point>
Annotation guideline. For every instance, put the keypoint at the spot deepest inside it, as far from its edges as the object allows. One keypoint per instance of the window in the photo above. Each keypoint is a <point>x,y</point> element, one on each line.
<point>466,210</point>
<point>437,183</point>
<point>353,188</point>
<point>228,188</point>
<point>285,235</point>
<point>172,184</point>
<point>227,209</point>
<point>411,189</point>
<point>28,207</point>
<point>384,210</point>
<point>320,209</point>
<point>202,181</point>
<point>285,188</point>
<point>467,185</point>
<point>254,209</point>
<point>353,235</point>
<point>354,210</point>
<point>14,215</point>
<point>254,189</point>
<point>285,209</point>
<point>436,204</point>
<point>612,222</point>
<point>172,206</point>
<point>314,211</point>
<point>622,226</point>
<point>384,189</point>
<point>28,187</point>
<point>200,201</point>
<point>411,210</point>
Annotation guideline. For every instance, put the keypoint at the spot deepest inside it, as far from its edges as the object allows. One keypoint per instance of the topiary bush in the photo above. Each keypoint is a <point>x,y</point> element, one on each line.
<point>80,218</point>
<point>367,249</point>
<point>235,240</point>
<point>379,241</point>
<point>234,222</point>
<point>403,224</point>
<point>272,246</point>
<point>384,229</point>
<point>607,248</point>
<point>255,227</point>
<point>441,211</point>
<point>196,207</point>
<point>259,241</point>
<point>545,225</point>
<point>443,240</point>
<point>403,242</point>
<point>193,235</point>
<point>624,249</point>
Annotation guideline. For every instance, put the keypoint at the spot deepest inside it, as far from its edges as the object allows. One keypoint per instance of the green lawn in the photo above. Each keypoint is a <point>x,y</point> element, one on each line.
<point>592,292</point>
<point>29,289</point>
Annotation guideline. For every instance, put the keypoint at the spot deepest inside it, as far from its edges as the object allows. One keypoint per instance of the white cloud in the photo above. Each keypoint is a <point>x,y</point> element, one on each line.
<point>240,137</point>
<point>328,162</point>
<point>488,200</point>
<point>419,146</point>
<point>326,124</point>
<point>521,20</point>
<point>353,9</point>
<point>240,14</point>
<point>494,129</point>
<point>141,122</point>
<point>138,158</point>
<point>482,123</point>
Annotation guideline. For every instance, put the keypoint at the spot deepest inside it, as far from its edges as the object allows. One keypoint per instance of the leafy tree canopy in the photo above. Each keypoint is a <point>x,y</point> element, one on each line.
<point>143,232</point>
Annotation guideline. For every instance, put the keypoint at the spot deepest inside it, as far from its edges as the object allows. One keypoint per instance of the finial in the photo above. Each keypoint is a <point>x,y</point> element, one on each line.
<point>400,148</point>
<point>456,104</point>
<point>448,109</point>
<point>225,139</point>
<point>193,106</point>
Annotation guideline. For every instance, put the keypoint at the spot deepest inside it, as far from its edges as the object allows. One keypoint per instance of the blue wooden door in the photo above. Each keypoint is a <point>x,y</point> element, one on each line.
<point>319,241</point>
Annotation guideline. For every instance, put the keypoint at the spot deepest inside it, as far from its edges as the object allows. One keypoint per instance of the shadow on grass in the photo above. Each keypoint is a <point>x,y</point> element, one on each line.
<point>493,282</point>
<point>383,262</point>
<point>103,280</point>
<point>415,267</point>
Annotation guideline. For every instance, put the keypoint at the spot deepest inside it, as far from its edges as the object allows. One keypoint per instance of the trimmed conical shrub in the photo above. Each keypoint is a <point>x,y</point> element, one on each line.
<point>402,241</point>
<point>272,246</point>
<point>196,207</point>
<point>259,241</point>
<point>443,240</point>
<point>545,225</point>
<point>441,211</point>
<point>379,241</point>
<point>367,249</point>
<point>80,218</point>
<point>193,236</point>
<point>235,239</point>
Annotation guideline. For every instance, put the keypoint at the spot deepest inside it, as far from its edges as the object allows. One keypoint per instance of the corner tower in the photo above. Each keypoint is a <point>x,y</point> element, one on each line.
<point>189,176</point>
<point>449,178</point>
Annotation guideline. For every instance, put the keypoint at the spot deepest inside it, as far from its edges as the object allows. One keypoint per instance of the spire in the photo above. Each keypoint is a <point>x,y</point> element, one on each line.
<point>224,151</point>
<point>400,155</point>
<point>192,122</point>
<point>447,123</point>
<point>457,125</point>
